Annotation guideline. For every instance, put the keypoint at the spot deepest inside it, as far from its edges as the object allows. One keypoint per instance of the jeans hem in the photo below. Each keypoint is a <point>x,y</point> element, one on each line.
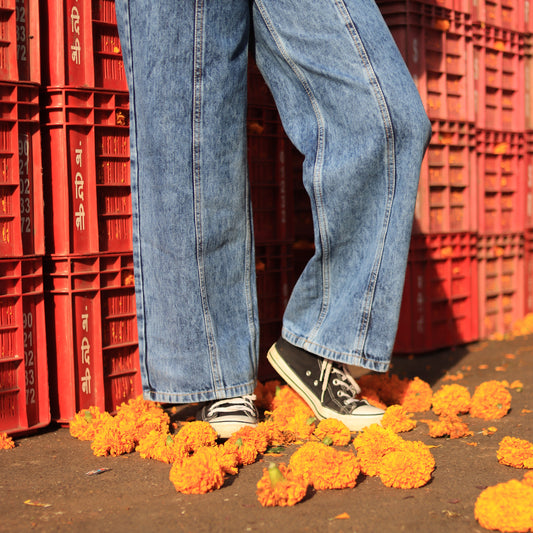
<point>199,396</point>
<point>366,361</point>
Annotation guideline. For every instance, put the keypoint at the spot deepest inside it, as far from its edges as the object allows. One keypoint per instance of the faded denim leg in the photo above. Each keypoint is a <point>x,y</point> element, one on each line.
<point>186,66</point>
<point>349,104</point>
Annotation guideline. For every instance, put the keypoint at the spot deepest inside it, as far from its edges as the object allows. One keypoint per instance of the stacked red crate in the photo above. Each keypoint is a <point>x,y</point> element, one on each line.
<point>89,283</point>
<point>24,396</point>
<point>439,306</point>
<point>502,116</point>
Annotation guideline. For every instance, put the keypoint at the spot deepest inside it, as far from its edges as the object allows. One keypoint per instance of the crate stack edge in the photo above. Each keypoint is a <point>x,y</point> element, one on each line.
<point>89,280</point>
<point>24,391</point>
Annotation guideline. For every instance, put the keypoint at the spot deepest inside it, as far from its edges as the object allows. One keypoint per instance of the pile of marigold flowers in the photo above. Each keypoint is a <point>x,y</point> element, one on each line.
<point>509,506</point>
<point>327,457</point>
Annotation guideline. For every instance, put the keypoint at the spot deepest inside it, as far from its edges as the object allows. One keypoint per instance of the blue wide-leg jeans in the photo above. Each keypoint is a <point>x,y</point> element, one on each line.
<point>349,105</point>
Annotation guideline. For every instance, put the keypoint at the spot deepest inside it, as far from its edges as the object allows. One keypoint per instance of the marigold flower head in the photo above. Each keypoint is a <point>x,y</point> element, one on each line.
<point>506,507</point>
<point>325,467</point>
<point>198,473</point>
<point>294,417</point>
<point>196,434</point>
<point>276,435</point>
<point>287,398</point>
<point>398,419</point>
<point>87,422</point>
<point>139,416</point>
<point>112,439</point>
<point>515,452</point>
<point>6,443</point>
<point>448,425</point>
<point>335,430</point>
<point>280,487</point>
<point>417,396</point>
<point>451,400</point>
<point>161,447</point>
<point>372,444</point>
<point>409,467</point>
<point>491,400</point>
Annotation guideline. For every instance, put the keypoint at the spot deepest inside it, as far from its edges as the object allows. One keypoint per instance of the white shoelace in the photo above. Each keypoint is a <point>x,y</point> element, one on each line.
<point>344,379</point>
<point>229,405</point>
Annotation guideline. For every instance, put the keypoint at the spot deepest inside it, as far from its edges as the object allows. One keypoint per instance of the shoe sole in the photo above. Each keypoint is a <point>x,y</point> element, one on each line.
<point>321,412</point>
<point>226,429</point>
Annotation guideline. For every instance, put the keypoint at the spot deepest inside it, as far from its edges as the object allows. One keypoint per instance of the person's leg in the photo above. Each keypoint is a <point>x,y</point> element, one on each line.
<point>348,103</point>
<point>186,65</point>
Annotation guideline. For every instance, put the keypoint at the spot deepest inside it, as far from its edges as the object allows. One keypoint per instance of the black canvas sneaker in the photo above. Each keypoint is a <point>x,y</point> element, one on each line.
<point>229,415</point>
<point>326,386</point>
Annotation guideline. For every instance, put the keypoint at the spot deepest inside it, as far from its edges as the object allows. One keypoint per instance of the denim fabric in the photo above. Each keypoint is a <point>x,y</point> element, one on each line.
<point>347,102</point>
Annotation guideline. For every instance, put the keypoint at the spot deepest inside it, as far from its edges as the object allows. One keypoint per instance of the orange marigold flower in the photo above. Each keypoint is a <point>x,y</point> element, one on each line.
<point>287,398</point>
<point>417,396</point>
<point>198,473</point>
<point>490,400</point>
<point>161,447</point>
<point>336,430</point>
<point>245,450</point>
<point>409,467</point>
<point>448,425</point>
<point>255,436</point>
<point>294,418</point>
<point>325,467</point>
<point>228,458</point>
<point>279,487</point>
<point>195,435</point>
<point>398,419</point>
<point>515,452</point>
<point>139,416</point>
<point>6,443</point>
<point>276,435</point>
<point>451,400</point>
<point>87,422</point>
<point>506,507</point>
<point>112,439</point>
<point>372,444</point>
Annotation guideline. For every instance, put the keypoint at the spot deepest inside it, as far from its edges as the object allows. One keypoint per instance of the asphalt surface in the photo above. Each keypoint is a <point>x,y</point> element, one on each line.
<point>50,470</point>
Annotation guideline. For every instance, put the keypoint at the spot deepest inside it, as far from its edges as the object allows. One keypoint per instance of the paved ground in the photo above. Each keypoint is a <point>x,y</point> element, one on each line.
<point>136,495</point>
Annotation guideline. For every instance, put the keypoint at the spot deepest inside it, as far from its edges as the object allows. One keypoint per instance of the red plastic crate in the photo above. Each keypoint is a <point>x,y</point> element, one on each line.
<point>464,6</point>
<point>21,194</point>
<point>501,283</point>
<point>508,14</point>
<point>20,41</point>
<point>501,171</point>
<point>529,270</point>
<point>86,171</point>
<point>271,187</point>
<point>528,80</point>
<point>258,92</point>
<point>437,46</point>
<point>446,201</point>
<point>24,398</point>
<point>92,332</point>
<point>529,177</point>
<point>81,46</point>
<point>439,305</point>
<point>499,79</point>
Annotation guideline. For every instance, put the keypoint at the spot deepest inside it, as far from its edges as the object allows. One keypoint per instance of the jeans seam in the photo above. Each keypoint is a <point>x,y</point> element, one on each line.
<point>317,170</point>
<point>391,173</point>
<point>196,182</point>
